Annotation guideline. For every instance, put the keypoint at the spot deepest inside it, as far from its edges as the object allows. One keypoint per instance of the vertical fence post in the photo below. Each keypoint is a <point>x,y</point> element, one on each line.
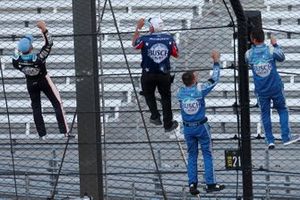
<point>244,100</point>
<point>287,183</point>
<point>133,191</point>
<point>53,168</point>
<point>157,186</point>
<point>267,166</point>
<point>183,193</point>
<point>27,186</point>
<point>87,98</point>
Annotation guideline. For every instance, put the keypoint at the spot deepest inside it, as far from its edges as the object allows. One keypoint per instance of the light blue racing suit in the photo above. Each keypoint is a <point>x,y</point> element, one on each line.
<point>195,126</point>
<point>268,86</point>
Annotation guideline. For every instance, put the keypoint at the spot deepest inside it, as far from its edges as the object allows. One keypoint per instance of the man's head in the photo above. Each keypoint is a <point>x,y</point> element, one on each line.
<point>156,24</point>
<point>189,78</point>
<point>25,44</point>
<point>257,36</point>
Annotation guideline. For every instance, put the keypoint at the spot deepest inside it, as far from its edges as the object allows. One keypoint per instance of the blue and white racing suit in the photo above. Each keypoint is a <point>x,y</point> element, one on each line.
<point>268,86</point>
<point>195,126</point>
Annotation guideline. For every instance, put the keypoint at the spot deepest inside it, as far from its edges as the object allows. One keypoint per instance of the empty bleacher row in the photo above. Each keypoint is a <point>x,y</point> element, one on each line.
<point>281,5</point>
<point>174,163</point>
<point>282,16</point>
<point>125,11</point>
<point>222,96</point>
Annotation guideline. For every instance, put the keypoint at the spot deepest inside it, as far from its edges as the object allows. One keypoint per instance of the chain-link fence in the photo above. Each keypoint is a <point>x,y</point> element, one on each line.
<point>140,160</point>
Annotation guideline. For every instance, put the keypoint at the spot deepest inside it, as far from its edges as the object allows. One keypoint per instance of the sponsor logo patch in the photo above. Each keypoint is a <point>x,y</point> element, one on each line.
<point>158,52</point>
<point>190,106</point>
<point>262,69</point>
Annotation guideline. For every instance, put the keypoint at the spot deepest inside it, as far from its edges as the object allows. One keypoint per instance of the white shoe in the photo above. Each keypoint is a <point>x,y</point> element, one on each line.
<point>271,146</point>
<point>67,135</point>
<point>44,138</point>
<point>293,139</point>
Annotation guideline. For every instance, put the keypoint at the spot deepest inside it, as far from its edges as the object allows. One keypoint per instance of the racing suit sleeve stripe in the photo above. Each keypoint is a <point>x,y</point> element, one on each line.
<point>174,50</point>
<point>45,51</point>
<point>139,45</point>
<point>278,54</point>
<point>206,87</point>
<point>58,98</point>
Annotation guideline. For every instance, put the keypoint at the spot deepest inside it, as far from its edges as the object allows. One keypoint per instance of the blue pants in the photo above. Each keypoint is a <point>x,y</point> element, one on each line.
<point>193,137</point>
<point>280,105</point>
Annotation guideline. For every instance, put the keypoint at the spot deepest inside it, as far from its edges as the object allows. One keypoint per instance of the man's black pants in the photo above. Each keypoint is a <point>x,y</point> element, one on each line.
<point>162,81</point>
<point>45,84</point>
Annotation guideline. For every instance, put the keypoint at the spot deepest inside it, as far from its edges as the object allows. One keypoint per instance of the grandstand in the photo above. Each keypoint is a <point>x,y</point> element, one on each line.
<point>29,167</point>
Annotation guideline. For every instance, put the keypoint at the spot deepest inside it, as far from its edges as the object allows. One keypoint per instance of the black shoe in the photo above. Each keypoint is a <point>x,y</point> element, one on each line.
<point>193,189</point>
<point>214,187</point>
<point>156,121</point>
<point>173,127</point>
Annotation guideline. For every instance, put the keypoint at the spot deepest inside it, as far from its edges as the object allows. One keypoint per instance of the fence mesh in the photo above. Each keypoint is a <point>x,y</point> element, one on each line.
<point>140,160</point>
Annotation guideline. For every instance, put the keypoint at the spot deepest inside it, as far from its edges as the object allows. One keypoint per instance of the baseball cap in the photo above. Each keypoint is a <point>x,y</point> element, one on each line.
<point>157,23</point>
<point>25,43</point>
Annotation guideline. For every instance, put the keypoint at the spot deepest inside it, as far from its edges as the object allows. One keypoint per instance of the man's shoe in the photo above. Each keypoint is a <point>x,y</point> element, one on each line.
<point>293,139</point>
<point>173,127</point>
<point>271,146</point>
<point>214,187</point>
<point>43,138</point>
<point>67,135</point>
<point>193,189</point>
<point>156,121</point>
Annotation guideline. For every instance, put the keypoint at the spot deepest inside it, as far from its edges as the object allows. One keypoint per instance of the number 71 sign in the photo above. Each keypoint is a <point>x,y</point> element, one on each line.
<point>232,159</point>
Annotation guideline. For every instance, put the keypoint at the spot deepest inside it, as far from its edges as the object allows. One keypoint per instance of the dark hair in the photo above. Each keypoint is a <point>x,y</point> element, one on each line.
<point>258,34</point>
<point>188,78</point>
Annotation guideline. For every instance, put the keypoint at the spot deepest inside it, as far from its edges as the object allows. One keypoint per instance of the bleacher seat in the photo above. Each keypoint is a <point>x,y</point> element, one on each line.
<point>230,87</point>
<point>156,4</point>
<point>116,87</point>
<point>290,15</point>
<point>70,58</point>
<point>34,17</point>
<point>8,5</point>
<point>20,31</point>
<point>280,2</point>
<point>284,28</point>
<point>46,103</point>
<point>67,44</point>
<point>288,57</point>
<point>289,42</point>
<point>290,73</point>
<point>278,5</point>
<point>13,73</point>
